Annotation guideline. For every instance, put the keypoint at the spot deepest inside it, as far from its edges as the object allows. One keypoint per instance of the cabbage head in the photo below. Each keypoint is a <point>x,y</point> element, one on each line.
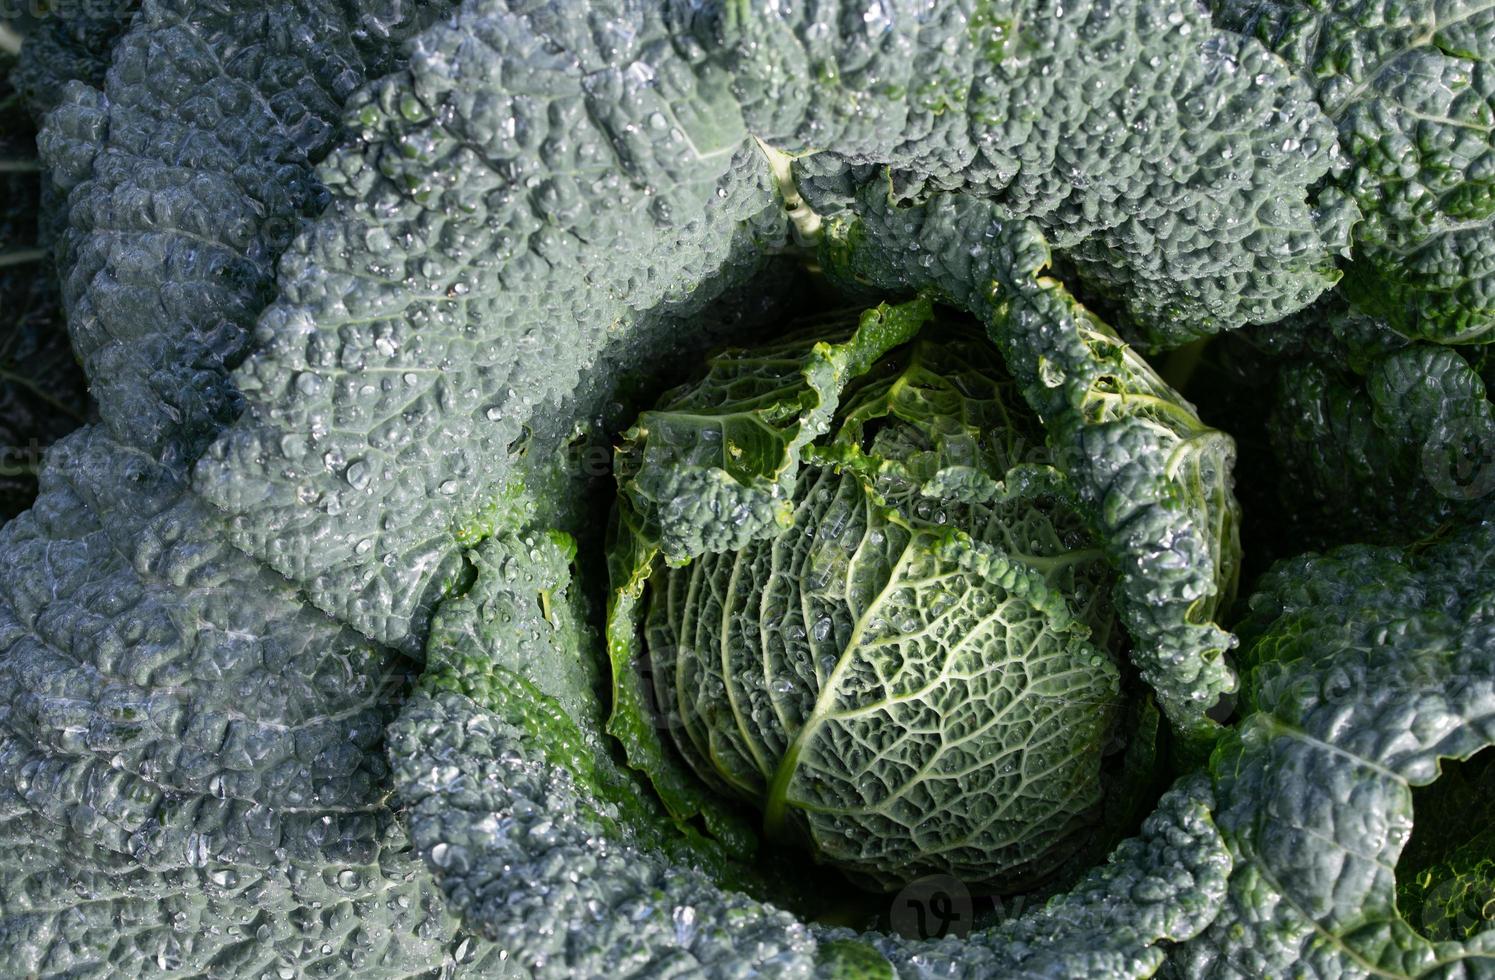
<point>903,650</point>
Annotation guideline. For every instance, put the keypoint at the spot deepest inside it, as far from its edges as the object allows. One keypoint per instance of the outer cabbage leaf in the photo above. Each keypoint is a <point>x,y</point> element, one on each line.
<point>1367,666</point>
<point>192,776</point>
<point>1411,87</point>
<point>1153,480</point>
<point>526,189</point>
<point>483,242</point>
<point>1393,453</point>
<point>1171,162</point>
<point>1377,439</point>
<point>187,172</point>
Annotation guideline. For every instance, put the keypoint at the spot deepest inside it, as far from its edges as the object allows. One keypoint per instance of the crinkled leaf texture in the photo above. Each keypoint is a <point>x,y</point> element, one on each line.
<point>193,776</point>
<point>1367,666</point>
<point>187,172</point>
<point>1411,87</point>
<point>541,181</point>
<point>192,780</point>
<point>485,239</point>
<point>540,188</point>
<point>1171,162</point>
<point>517,199</point>
<point>1378,439</point>
<point>714,467</point>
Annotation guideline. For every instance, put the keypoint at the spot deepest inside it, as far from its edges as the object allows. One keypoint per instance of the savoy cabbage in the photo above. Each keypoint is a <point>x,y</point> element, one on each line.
<point>727,488</point>
<point>911,646</point>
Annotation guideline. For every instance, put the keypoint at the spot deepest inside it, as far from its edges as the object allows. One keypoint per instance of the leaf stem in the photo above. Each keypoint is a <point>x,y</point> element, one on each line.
<point>805,221</point>
<point>22,256</point>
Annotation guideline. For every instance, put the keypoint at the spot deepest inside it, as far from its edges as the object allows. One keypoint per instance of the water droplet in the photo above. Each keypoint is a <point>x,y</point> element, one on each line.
<point>358,475</point>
